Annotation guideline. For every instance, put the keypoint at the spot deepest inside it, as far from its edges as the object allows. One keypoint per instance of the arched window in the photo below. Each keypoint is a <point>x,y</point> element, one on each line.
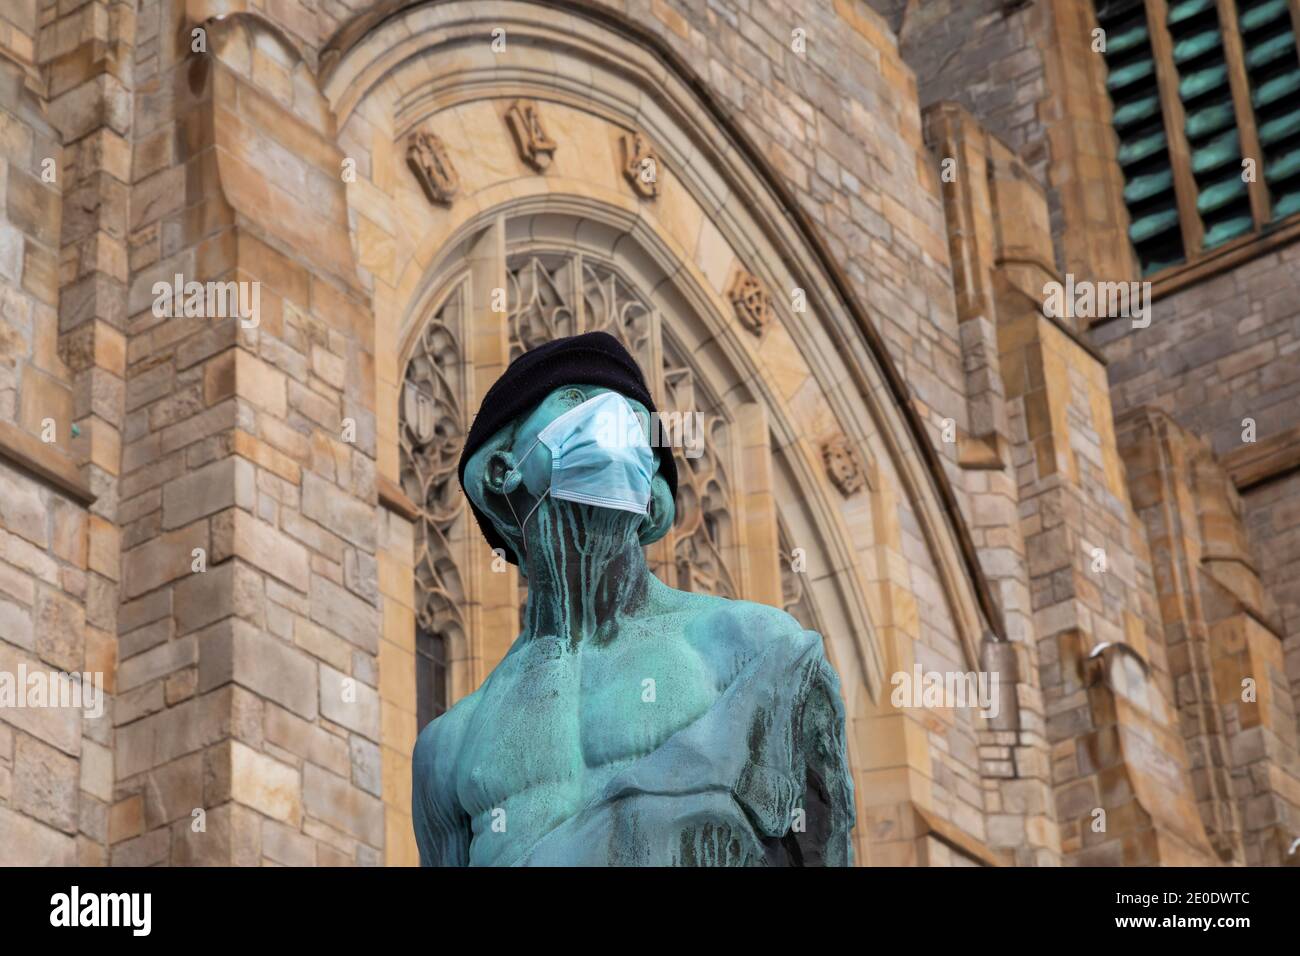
<point>516,280</point>
<point>431,696</point>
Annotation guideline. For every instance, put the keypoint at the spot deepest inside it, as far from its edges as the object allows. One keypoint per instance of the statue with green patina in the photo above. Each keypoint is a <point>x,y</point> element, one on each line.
<point>630,723</point>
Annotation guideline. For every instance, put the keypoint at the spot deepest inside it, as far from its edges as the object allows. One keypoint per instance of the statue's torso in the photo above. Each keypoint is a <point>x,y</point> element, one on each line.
<point>573,754</point>
<point>553,725</point>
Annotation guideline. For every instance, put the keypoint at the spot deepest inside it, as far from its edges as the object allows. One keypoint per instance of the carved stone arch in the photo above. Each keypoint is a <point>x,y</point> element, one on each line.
<point>724,367</point>
<point>719,209</point>
<point>726,375</point>
<point>728,382</point>
<point>838,608</point>
<point>465,272</point>
<point>607,68</point>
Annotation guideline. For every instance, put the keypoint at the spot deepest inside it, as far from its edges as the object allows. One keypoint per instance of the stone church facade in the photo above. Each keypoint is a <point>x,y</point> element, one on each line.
<point>829,227</point>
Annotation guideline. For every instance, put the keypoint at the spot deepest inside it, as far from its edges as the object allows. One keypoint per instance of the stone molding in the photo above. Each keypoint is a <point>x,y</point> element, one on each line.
<point>44,462</point>
<point>353,62</point>
<point>1261,461</point>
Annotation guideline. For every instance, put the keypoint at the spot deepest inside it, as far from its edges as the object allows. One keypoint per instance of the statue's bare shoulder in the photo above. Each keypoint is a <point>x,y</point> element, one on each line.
<point>438,816</point>
<point>728,632</point>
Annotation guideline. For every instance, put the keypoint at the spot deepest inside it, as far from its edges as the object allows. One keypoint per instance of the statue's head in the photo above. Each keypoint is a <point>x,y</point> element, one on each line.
<point>568,425</point>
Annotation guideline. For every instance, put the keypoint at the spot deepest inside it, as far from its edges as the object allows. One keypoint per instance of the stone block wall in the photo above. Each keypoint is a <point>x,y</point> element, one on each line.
<point>1221,357</point>
<point>56,763</point>
<point>1074,576</point>
<point>60,384</point>
<point>1027,72</point>
<point>979,195</point>
<point>1221,638</point>
<point>1220,353</point>
<point>249,681</point>
<point>933,760</point>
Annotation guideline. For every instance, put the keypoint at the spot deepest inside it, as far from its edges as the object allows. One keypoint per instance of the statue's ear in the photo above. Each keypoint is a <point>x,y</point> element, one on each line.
<point>662,512</point>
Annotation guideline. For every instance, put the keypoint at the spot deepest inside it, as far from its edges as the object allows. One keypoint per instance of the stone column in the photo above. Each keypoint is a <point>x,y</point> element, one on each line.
<point>760,553</point>
<point>1113,739</point>
<point>495,584</point>
<point>983,185</point>
<point>1223,639</point>
<point>251,582</point>
<point>62,208</point>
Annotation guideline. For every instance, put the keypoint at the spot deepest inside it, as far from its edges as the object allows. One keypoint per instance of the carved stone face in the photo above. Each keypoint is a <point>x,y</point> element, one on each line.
<point>489,479</point>
<point>842,466</point>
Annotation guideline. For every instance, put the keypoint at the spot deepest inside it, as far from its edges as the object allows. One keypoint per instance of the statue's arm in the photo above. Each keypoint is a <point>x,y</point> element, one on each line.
<point>442,828</point>
<point>828,785</point>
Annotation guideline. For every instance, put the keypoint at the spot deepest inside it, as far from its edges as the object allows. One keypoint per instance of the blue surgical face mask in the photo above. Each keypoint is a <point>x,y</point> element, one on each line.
<point>599,456</point>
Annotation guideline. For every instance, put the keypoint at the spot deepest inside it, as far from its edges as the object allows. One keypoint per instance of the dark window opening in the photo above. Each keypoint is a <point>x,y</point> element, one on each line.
<point>431,697</point>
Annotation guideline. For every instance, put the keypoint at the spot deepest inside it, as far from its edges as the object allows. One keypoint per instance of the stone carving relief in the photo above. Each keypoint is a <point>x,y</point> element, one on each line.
<point>752,304</point>
<point>843,465</point>
<point>611,305</point>
<point>553,295</point>
<point>641,165</point>
<point>703,532</point>
<point>535,147</point>
<point>538,294</point>
<point>427,157</point>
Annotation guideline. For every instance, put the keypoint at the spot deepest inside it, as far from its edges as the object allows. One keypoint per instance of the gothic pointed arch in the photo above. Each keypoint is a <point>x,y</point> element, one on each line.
<point>366,56</point>
<point>696,273</point>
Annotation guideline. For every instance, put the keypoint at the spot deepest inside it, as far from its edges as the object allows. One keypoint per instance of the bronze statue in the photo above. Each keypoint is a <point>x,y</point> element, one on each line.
<point>630,723</point>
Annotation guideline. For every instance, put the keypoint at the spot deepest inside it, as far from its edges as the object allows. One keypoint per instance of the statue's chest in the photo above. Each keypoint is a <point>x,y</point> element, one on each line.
<point>638,693</point>
<point>563,722</point>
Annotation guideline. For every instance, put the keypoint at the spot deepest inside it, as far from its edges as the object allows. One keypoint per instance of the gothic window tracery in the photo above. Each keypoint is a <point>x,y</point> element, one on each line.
<point>703,532</point>
<point>544,303</point>
<point>432,426</point>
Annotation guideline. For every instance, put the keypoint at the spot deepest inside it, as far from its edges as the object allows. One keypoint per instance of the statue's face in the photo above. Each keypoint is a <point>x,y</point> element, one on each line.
<point>507,494</point>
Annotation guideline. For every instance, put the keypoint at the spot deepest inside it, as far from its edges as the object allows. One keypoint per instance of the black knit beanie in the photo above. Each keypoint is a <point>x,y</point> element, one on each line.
<point>596,358</point>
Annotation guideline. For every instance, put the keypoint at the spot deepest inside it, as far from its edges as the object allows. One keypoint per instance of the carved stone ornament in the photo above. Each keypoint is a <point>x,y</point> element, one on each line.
<point>525,122</point>
<point>428,159</point>
<point>641,165</point>
<point>750,300</point>
<point>843,466</point>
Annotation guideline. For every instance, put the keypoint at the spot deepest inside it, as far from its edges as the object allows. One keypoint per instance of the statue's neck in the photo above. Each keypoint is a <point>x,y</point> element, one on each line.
<point>586,570</point>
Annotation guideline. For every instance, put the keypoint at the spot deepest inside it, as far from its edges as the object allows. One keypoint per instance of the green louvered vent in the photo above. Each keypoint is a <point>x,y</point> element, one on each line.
<point>1143,146</point>
<point>1273,69</point>
<point>1222,195</point>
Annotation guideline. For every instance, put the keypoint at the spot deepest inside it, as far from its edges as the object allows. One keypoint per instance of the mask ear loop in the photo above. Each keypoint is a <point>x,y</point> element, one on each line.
<point>522,537</point>
<point>524,524</point>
